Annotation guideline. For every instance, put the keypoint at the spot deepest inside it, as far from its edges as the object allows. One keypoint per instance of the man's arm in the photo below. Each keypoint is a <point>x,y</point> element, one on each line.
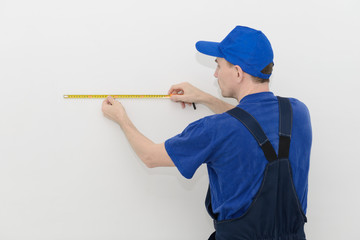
<point>187,94</point>
<point>215,104</point>
<point>152,154</point>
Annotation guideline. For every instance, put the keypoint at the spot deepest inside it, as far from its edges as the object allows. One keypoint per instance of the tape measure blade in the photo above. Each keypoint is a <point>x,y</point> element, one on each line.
<point>117,96</point>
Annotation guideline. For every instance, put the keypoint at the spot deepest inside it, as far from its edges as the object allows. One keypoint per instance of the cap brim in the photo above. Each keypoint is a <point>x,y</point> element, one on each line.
<point>209,48</point>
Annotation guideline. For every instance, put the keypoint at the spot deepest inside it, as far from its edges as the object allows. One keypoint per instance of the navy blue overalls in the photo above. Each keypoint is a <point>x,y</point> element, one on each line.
<point>275,212</point>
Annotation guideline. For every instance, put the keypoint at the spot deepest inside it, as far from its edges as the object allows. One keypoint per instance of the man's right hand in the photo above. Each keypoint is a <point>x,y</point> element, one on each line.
<point>185,93</point>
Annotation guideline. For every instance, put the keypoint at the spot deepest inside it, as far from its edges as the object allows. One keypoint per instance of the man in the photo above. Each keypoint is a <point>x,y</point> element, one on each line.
<point>255,192</point>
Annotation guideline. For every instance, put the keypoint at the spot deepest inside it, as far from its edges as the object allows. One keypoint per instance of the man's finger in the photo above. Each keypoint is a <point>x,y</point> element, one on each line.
<point>176,98</point>
<point>177,88</point>
<point>104,105</point>
<point>111,100</point>
<point>173,88</point>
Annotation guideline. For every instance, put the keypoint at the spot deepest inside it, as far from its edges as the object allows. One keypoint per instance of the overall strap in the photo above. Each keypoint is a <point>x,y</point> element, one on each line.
<point>285,126</point>
<point>255,129</point>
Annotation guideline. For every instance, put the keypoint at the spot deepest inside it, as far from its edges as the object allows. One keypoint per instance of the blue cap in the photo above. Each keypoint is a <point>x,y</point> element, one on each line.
<point>243,46</point>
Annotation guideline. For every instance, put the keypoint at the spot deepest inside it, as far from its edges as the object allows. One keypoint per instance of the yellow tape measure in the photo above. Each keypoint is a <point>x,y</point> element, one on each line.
<point>117,96</point>
<point>121,96</point>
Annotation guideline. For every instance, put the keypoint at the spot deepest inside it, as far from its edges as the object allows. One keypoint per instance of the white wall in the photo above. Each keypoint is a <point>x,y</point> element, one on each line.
<point>67,172</point>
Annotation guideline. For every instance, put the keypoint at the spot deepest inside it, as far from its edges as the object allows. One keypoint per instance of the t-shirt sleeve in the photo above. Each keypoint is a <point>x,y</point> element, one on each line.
<point>191,148</point>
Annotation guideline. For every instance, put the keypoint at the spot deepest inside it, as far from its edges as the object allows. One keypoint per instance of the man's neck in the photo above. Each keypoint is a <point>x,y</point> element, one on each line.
<point>254,88</point>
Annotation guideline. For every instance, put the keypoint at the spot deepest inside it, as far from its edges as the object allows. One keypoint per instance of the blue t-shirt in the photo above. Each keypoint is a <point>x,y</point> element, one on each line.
<point>234,159</point>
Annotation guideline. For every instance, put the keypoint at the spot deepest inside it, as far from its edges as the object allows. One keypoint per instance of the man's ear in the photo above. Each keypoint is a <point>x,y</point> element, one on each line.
<point>239,72</point>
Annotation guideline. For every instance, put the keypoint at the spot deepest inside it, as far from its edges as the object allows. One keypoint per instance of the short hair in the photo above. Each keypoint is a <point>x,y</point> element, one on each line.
<point>267,70</point>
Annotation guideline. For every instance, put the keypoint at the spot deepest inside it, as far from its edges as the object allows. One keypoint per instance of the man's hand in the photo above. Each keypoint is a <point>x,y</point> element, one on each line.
<point>185,93</point>
<point>113,109</point>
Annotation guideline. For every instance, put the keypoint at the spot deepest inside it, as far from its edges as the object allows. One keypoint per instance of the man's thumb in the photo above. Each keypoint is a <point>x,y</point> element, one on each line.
<point>111,100</point>
<point>177,97</point>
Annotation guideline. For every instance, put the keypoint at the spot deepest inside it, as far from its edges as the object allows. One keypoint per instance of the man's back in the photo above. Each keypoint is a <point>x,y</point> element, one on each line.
<point>235,161</point>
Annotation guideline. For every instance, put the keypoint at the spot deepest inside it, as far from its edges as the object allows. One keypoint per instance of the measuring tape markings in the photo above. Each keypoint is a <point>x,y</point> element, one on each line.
<point>121,96</point>
<point>117,96</point>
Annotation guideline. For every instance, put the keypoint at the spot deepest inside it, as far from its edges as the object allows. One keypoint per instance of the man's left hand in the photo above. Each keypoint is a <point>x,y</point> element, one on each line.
<point>113,109</point>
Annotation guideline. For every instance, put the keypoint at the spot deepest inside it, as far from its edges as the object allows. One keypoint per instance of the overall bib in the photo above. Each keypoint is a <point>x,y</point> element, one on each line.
<point>275,212</point>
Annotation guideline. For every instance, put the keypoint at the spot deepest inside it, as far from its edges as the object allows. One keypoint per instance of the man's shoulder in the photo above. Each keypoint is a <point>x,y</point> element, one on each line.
<point>298,106</point>
<point>221,125</point>
<point>217,118</point>
<point>212,123</point>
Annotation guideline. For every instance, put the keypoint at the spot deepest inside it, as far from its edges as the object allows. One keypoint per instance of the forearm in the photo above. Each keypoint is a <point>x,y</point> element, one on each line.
<point>142,146</point>
<point>215,104</point>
